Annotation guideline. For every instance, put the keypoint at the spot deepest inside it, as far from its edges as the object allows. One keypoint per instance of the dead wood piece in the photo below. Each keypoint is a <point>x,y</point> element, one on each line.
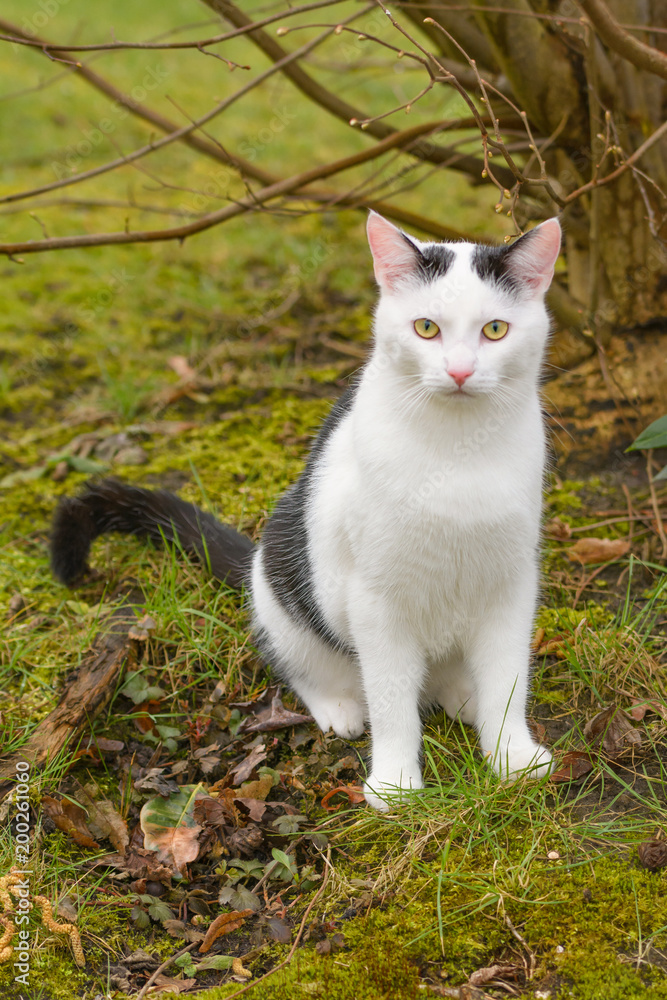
<point>86,693</point>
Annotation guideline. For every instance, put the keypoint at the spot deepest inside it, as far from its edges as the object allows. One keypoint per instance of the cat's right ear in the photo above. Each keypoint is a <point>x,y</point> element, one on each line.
<point>395,257</point>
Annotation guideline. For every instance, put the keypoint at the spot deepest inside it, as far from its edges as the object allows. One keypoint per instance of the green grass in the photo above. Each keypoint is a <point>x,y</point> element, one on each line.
<point>85,343</point>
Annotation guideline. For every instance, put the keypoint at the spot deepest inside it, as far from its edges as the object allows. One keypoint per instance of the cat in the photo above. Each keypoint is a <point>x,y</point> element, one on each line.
<point>401,570</point>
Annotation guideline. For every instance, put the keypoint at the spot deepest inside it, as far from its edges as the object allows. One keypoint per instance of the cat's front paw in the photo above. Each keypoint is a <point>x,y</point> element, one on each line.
<point>344,715</point>
<point>383,794</point>
<point>527,759</point>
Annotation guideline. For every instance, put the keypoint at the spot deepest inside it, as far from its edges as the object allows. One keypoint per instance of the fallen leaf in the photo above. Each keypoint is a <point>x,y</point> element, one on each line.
<point>246,841</point>
<point>560,530</point>
<point>181,366</point>
<point>613,730</point>
<point>154,781</point>
<point>107,746</point>
<point>174,985</point>
<point>653,854</point>
<point>225,923</point>
<point>598,550</point>
<point>178,929</point>
<point>275,716</point>
<point>137,863</point>
<point>104,820</point>
<point>638,711</point>
<point>170,828</point>
<point>279,930</point>
<point>71,819</point>
<point>66,909</point>
<point>574,765</point>
<point>354,795</point>
<point>258,789</point>
<point>244,769</point>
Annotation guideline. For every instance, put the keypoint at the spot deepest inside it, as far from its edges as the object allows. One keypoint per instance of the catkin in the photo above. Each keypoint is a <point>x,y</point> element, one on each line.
<point>8,885</point>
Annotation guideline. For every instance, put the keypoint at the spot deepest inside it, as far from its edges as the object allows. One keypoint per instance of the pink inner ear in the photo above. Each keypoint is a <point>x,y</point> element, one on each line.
<point>534,256</point>
<point>394,256</point>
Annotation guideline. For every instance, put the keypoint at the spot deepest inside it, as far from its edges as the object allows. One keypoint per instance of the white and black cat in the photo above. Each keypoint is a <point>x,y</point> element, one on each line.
<point>401,569</point>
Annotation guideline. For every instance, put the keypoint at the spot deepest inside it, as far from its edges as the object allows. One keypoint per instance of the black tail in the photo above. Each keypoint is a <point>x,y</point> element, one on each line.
<point>110,506</point>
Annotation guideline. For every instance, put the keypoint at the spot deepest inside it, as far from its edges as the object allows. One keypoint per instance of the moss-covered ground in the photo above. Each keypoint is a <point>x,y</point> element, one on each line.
<point>271,315</point>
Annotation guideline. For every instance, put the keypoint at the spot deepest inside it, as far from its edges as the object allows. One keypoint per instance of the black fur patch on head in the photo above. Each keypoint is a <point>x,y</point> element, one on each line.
<point>285,539</point>
<point>432,261</point>
<point>492,264</point>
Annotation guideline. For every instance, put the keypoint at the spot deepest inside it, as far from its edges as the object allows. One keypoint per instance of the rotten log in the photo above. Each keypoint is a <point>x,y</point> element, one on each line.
<point>87,691</point>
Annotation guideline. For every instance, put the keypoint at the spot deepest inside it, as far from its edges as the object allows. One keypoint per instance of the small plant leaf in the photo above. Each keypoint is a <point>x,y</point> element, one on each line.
<point>654,436</point>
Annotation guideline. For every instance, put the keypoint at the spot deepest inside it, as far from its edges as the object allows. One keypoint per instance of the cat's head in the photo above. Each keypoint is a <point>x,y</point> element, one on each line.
<point>463,320</point>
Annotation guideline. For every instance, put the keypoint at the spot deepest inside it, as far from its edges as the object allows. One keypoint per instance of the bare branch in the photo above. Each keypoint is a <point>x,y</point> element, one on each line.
<point>626,165</point>
<point>289,185</point>
<point>610,31</point>
<point>48,47</point>
<point>172,136</point>
<point>334,104</point>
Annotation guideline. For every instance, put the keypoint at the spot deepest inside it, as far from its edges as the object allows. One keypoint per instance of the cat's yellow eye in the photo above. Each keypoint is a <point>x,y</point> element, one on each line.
<point>426,328</point>
<point>496,329</point>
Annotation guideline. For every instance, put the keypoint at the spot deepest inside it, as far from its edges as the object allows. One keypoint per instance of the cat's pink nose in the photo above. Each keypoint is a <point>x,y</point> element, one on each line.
<point>460,374</point>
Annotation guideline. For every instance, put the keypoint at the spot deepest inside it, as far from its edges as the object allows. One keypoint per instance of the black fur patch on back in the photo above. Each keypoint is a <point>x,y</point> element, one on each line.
<point>285,539</point>
<point>492,264</point>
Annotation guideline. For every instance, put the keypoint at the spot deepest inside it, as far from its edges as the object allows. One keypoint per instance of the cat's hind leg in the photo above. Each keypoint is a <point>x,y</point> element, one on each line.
<point>326,680</point>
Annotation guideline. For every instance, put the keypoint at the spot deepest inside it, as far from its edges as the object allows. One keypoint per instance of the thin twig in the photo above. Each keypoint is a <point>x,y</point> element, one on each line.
<point>654,502</point>
<point>297,939</point>
<point>165,965</point>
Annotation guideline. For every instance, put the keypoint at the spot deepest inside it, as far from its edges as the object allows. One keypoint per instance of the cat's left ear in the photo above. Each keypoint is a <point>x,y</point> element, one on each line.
<point>395,256</point>
<point>532,258</point>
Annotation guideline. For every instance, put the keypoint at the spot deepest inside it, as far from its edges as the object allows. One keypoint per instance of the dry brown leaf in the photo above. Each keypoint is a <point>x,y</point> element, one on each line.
<point>638,711</point>
<point>613,730</point>
<point>275,716</point>
<point>256,807</point>
<point>225,923</point>
<point>71,819</point>
<point>258,789</point>
<point>560,530</point>
<point>653,854</point>
<point>163,983</point>
<point>598,550</point>
<point>242,771</point>
<point>104,819</point>
<point>574,765</point>
<point>279,930</point>
<point>180,364</point>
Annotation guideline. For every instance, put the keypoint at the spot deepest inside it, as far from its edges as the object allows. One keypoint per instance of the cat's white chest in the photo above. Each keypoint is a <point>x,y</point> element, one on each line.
<point>434,531</point>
